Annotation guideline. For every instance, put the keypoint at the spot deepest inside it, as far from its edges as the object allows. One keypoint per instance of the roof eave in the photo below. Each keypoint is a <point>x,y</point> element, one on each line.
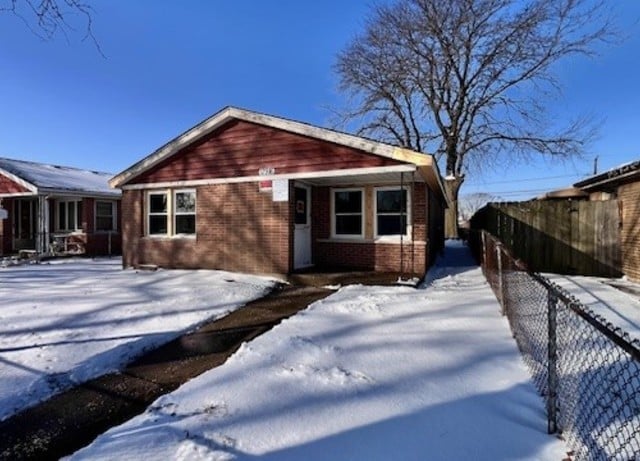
<point>610,178</point>
<point>18,180</point>
<point>232,113</point>
<point>431,174</point>
<point>116,194</point>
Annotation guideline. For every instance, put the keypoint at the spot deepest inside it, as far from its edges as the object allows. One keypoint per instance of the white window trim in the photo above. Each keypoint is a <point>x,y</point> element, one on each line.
<point>363,211</point>
<point>175,214</point>
<point>391,238</point>
<point>114,217</point>
<point>170,213</point>
<point>66,201</point>
<point>149,214</point>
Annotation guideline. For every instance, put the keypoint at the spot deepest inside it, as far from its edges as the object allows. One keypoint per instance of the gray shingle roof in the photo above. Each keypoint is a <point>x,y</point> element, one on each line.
<point>57,178</point>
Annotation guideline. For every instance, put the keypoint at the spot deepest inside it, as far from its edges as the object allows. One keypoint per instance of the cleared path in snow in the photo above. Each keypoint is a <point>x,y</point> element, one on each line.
<point>373,373</point>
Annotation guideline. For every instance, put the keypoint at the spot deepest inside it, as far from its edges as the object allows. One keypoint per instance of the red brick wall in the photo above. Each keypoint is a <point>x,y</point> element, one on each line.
<point>368,254</point>
<point>237,229</point>
<point>132,229</point>
<point>7,186</point>
<point>419,211</point>
<point>241,229</point>
<point>88,215</point>
<point>629,198</point>
<point>435,231</point>
<point>372,256</point>
<point>6,226</point>
<point>320,215</point>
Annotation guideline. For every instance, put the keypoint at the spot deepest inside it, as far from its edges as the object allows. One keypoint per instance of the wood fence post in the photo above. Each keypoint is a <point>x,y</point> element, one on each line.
<point>503,308</point>
<point>484,250</point>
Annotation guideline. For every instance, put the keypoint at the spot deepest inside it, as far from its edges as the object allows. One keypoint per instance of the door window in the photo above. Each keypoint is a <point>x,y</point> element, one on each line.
<point>301,206</point>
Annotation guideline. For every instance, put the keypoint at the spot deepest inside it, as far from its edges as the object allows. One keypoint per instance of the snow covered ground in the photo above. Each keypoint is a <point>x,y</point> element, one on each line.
<point>620,308</point>
<point>67,321</point>
<point>369,373</point>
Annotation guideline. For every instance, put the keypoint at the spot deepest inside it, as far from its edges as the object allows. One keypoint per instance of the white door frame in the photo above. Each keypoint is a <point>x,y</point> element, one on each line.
<point>302,232</point>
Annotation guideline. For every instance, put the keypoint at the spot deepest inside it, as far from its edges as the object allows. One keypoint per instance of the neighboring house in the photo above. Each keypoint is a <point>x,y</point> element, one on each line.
<point>50,209</point>
<point>244,191</point>
<point>623,184</point>
<point>567,193</point>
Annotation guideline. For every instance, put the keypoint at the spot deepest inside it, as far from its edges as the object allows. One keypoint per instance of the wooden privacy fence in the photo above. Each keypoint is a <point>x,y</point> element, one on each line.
<point>564,236</point>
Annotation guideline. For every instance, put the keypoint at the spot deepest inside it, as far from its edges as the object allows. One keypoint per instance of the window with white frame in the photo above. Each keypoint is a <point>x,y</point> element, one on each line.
<point>185,212</point>
<point>69,218</point>
<point>171,213</point>
<point>105,216</point>
<point>391,211</point>
<point>158,213</point>
<point>348,206</point>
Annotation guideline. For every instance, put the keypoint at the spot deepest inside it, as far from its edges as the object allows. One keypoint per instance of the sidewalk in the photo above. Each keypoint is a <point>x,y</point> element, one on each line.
<point>373,373</point>
<point>617,300</point>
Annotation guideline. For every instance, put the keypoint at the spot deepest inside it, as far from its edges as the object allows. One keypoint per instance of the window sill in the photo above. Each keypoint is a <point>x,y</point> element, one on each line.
<point>378,241</point>
<point>170,237</point>
<point>392,239</point>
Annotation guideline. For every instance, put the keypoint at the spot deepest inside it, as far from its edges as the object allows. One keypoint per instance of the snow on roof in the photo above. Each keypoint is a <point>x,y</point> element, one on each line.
<point>623,171</point>
<point>59,178</point>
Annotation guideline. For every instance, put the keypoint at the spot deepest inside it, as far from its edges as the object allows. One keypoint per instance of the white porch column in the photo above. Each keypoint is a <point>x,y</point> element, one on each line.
<point>45,224</point>
<point>42,226</point>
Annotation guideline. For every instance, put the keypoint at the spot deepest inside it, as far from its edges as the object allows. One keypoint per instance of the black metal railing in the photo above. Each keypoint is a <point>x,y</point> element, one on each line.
<point>587,369</point>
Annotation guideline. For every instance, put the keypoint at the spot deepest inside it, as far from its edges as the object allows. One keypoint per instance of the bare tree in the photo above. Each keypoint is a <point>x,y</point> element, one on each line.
<point>469,80</point>
<point>470,203</point>
<point>48,18</point>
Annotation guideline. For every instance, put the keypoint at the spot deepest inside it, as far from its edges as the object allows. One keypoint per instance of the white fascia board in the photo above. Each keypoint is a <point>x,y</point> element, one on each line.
<point>303,175</point>
<point>607,181</point>
<point>19,181</point>
<point>18,194</point>
<point>115,195</point>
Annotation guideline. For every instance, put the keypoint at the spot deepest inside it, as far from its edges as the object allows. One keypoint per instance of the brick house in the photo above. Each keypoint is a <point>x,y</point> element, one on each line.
<point>51,209</point>
<point>244,191</point>
<point>623,184</point>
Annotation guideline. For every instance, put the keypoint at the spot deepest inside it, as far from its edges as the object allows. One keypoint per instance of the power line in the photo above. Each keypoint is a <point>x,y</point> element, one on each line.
<point>576,175</point>
<point>517,192</point>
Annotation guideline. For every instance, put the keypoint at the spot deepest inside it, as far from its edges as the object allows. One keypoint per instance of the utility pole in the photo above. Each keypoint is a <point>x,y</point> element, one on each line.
<point>595,165</point>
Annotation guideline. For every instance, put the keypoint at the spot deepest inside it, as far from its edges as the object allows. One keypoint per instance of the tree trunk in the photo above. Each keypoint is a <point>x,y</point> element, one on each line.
<point>452,187</point>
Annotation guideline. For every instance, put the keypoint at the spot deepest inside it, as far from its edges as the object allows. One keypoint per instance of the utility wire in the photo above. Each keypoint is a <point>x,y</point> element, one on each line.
<point>526,179</point>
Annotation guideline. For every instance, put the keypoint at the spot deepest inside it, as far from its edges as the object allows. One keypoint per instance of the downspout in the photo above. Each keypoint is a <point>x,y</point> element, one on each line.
<point>402,218</point>
<point>40,242</point>
<point>45,227</point>
<point>413,227</point>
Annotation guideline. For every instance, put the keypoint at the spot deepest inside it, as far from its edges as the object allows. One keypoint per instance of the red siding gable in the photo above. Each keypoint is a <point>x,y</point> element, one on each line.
<point>242,148</point>
<point>8,186</point>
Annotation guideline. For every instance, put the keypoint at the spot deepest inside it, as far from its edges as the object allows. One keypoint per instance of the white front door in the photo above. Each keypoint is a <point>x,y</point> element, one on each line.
<point>302,219</point>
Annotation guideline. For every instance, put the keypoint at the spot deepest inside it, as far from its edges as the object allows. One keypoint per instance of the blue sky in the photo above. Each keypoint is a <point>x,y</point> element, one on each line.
<point>171,64</point>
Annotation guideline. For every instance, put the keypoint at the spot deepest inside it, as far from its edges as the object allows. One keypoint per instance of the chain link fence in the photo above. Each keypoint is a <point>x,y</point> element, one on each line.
<point>587,370</point>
